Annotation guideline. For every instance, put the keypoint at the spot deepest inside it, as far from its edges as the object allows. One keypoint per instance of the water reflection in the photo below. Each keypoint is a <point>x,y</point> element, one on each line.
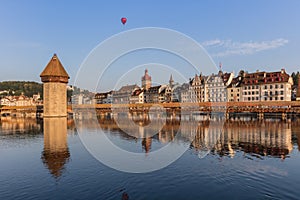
<point>296,133</point>
<point>255,138</point>
<point>9,126</point>
<point>56,153</point>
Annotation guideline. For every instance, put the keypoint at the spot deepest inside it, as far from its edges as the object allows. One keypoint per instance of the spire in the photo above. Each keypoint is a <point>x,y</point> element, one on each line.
<point>171,81</point>
<point>54,71</point>
<point>220,71</point>
<point>146,80</point>
<point>146,76</point>
<point>196,77</point>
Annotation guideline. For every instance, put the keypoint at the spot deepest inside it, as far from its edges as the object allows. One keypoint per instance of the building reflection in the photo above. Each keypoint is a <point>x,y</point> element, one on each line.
<point>56,153</point>
<point>20,126</point>
<point>254,138</point>
<point>296,132</point>
<point>257,138</point>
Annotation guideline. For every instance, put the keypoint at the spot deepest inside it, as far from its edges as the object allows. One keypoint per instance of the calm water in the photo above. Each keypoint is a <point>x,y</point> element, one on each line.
<point>239,160</point>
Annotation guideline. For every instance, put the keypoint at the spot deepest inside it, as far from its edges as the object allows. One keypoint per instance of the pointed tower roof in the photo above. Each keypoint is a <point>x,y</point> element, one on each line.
<point>54,71</point>
<point>196,77</point>
<point>171,78</point>
<point>171,81</point>
<point>146,76</point>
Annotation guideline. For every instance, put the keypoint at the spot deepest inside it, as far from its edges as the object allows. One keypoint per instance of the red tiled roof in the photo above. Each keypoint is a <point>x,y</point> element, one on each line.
<point>128,88</point>
<point>265,77</point>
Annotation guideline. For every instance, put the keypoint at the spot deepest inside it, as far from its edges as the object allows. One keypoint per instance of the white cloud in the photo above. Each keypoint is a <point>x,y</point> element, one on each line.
<point>215,42</point>
<point>221,48</point>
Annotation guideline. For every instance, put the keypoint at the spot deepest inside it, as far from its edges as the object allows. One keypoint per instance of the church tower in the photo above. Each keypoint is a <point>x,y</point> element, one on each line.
<point>55,79</point>
<point>171,81</point>
<point>146,80</point>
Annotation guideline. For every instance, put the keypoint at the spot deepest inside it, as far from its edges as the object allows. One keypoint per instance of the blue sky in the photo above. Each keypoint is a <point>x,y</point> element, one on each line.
<point>247,35</point>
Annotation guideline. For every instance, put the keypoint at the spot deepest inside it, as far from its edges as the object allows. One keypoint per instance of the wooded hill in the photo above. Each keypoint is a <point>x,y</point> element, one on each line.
<point>16,88</point>
<point>29,88</point>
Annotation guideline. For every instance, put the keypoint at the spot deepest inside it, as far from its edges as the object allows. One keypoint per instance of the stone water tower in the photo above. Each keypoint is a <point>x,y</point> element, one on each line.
<point>55,79</point>
<point>298,90</point>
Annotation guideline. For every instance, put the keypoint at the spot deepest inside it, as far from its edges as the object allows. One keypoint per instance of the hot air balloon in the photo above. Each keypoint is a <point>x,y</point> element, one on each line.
<point>123,20</point>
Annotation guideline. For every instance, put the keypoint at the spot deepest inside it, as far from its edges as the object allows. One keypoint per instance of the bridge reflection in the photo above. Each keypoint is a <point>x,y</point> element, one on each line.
<point>20,126</point>
<point>257,138</point>
<point>221,138</point>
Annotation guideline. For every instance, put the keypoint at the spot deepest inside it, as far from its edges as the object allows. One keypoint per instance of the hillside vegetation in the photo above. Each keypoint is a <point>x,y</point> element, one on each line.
<point>16,88</point>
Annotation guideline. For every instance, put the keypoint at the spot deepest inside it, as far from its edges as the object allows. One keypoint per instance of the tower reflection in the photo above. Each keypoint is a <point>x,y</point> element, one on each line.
<point>56,153</point>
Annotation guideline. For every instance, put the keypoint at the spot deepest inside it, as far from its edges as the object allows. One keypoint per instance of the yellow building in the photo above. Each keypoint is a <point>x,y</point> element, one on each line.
<point>234,90</point>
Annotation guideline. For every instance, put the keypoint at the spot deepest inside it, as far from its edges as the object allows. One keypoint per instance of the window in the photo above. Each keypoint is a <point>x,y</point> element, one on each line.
<point>266,87</point>
<point>257,87</point>
<point>231,90</point>
<point>256,92</point>
<point>276,98</point>
<point>252,92</point>
<point>271,98</point>
<point>271,93</point>
<point>252,86</point>
<point>276,86</point>
<point>252,98</point>
<point>265,98</point>
<point>281,86</point>
<point>281,92</point>
<point>281,98</point>
<point>249,99</point>
<point>238,95</point>
<point>271,86</point>
<point>266,93</point>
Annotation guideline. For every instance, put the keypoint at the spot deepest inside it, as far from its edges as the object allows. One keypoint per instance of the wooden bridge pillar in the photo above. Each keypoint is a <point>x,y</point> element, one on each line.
<point>227,116</point>
<point>260,116</point>
<point>283,116</point>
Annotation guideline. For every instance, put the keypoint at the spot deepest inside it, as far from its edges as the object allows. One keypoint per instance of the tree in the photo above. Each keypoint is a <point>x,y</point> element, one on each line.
<point>295,77</point>
<point>29,88</point>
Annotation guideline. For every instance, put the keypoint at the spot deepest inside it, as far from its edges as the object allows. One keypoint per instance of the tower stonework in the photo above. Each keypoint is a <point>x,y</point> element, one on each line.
<point>55,79</point>
<point>298,90</point>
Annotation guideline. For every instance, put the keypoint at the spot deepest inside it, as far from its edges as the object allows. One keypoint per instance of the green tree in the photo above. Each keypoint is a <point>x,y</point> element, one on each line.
<point>295,77</point>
